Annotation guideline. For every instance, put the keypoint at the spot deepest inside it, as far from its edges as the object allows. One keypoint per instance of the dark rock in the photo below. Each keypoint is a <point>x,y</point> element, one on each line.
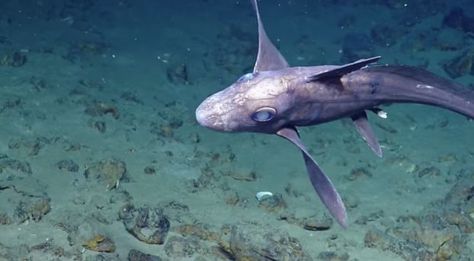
<point>332,256</point>
<point>32,209</point>
<point>460,65</point>
<point>149,170</point>
<point>247,243</point>
<point>409,250</point>
<point>102,108</point>
<point>147,224</point>
<point>201,231</point>
<point>180,247</point>
<point>178,74</point>
<point>15,59</point>
<point>5,219</point>
<point>363,220</point>
<point>430,172</point>
<point>109,172</point>
<point>358,173</point>
<point>458,20</point>
<point>68,165</point>
<point>441,234</point>
<point>318,223</point>
<point>135,255</point>
<point>15,165</point>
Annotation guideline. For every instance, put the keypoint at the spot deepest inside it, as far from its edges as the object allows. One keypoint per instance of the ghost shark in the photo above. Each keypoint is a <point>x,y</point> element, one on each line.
<point>276,98</point>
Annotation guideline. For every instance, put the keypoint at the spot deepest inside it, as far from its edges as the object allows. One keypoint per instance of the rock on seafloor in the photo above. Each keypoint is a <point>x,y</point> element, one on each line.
<point>109,172</point>
<point>147,224</point>
<point>245,244</point>
<point>441,233</point>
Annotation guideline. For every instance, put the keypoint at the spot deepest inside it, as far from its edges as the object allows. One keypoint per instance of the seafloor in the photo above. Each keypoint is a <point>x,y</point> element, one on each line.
<point>101,157</point>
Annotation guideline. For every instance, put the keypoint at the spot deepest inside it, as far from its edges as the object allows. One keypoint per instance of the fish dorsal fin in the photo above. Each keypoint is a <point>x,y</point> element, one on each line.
<point>343,69</point>
<point>268,58</point>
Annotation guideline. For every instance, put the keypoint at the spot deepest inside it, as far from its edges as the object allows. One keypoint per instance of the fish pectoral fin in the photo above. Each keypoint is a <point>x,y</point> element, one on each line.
<point>365,130</point>
<point>321,183</point>
<point>343,69</point>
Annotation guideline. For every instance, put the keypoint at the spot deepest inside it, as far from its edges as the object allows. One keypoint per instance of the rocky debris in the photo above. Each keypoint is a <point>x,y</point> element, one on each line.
<point>441,234</point>
<point>199,230</point>
<point>109,172</point>
<point>364,219</point>
<point>181,247</point>
<point>231,197</point>
<point>409,250</point>
<point>100,243</point>
<point>147,224</point>
<point>272,203</point>
<point>242,175</point>
<point>149,170</point>
<point>32,209</point>
<point>178,74</point>
<point>5,219</point>
<point>171,119</point>
<point>10,104</point>
<point>359,173</point>
<point>86,49</point>
<point>333,256</point>
<point>207,179</point>
<point>135,255</point>
<point>460,65</point>
<point>39,83</point>
<point>14,165</point>
<point>14,59</point>
<point>450,40</point>
<point>312,223</point>
<point>100,126</point>
<point>31,147</point>
<point>19,206</point>
<point>315,223</point>
<point>429,171</point>
<point>246,243</point>
<point>456,18</point>
<point>101,108</point>
<point>46,250</point>
<point>67,165</point>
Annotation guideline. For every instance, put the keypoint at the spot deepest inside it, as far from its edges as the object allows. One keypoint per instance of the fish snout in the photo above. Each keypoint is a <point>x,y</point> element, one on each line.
<point>207,117</point>
<point>203,116</point>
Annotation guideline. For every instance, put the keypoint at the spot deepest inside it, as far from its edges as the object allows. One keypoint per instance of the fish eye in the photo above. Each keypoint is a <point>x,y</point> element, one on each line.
<point>264,114</point>
<point>246,77</point>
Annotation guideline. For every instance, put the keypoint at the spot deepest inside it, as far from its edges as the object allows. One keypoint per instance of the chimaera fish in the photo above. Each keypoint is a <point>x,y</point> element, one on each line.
<point>276,98</point>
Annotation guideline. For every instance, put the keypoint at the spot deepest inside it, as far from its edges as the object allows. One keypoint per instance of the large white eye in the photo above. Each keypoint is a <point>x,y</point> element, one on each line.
<point>264,114</point>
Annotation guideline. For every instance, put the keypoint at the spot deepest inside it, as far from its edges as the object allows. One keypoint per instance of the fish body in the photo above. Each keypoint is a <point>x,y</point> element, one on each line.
<point>276,99</point>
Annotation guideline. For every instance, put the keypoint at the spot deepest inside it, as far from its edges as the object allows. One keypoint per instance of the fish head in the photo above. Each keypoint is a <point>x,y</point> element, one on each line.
<point>256,102</point>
